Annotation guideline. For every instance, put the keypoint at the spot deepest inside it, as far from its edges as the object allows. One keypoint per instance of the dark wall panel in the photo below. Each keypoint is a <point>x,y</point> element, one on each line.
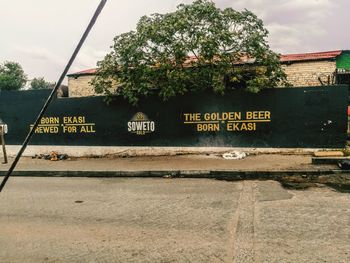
<point>290,117</point>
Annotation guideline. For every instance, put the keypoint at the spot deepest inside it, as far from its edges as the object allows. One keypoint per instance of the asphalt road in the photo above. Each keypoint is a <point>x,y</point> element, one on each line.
<point>170,220</point>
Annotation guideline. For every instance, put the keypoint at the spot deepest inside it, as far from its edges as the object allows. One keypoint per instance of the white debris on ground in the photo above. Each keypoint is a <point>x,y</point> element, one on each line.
<point>235,155</point>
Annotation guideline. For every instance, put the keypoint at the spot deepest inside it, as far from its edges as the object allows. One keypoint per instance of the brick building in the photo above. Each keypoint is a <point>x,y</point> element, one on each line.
<point>79,83</point>
<point>314,69</point>
<point>307,69</point>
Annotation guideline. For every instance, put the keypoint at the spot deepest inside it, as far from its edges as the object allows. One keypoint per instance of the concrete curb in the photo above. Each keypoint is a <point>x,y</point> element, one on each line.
<point>215,174</point>
<point>328,160</point>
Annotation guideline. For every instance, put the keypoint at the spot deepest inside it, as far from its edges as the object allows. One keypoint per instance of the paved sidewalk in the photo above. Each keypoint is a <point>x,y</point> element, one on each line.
<point>262,162</point>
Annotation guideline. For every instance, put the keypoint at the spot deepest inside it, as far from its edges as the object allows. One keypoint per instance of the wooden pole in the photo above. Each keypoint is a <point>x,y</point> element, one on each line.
<point>3,144</point>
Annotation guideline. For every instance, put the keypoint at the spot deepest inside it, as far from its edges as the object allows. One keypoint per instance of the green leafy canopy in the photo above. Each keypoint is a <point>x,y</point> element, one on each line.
<point>197,47</point>
<point>12,76</point>
<point>39,83</point>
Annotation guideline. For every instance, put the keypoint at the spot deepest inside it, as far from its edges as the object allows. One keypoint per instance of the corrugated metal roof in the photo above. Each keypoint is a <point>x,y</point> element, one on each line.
<point>310,56</point>
<point>283,58</point>
<point>91,71</point>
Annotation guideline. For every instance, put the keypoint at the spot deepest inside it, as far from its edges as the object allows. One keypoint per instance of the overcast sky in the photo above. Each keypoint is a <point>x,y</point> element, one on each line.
<point>41,34</point>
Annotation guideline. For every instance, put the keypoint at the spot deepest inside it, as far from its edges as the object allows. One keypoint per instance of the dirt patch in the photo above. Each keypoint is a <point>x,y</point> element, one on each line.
<point>339,182</point>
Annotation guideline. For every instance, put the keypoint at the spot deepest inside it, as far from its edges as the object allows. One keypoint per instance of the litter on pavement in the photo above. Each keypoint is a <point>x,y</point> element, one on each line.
<point>235,155</point>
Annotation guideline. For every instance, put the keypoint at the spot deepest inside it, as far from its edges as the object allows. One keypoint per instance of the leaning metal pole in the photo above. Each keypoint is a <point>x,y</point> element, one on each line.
<point>49,99</point>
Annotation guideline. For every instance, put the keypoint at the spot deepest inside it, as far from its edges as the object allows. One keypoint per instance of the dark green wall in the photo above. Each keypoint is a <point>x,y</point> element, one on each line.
<point>289,117</point>
<point>343,61</point>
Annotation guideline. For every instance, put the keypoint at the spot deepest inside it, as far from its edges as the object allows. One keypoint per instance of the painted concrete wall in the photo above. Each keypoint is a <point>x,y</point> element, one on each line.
<point>343,61</point>
<point>311,117</point>
<point>319,104</point>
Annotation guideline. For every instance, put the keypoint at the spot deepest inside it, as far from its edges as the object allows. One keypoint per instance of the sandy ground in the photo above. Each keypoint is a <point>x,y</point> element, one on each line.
<point>170,220</point>
<point>261,162</point>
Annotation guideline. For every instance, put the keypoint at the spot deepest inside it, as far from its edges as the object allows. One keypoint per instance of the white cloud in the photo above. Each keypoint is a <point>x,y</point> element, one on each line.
<point>283,37</point>
<point>40,62</point>
<point>87,58</point>
<point>294,25</point>
<point>39,54</point>
<point>41,35</point>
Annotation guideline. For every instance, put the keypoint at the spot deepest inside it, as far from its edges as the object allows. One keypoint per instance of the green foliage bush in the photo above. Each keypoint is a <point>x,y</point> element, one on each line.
<point>197,47</point>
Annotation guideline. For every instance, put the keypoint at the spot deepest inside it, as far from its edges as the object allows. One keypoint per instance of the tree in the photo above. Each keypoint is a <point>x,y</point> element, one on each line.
<point>39,83</point>
<point>197,47</point>
<point>12,76</point>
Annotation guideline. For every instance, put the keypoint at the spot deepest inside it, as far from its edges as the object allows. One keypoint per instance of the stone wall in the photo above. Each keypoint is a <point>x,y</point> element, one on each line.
<point>301,74</point>
<point>80,86</point>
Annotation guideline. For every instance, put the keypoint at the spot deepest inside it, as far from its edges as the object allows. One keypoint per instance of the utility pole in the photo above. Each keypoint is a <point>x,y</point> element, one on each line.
<point>49,99</point>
